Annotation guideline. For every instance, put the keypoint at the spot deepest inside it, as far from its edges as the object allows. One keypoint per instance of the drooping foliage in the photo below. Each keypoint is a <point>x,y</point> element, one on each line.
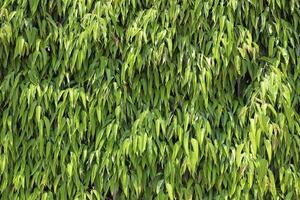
<point>149,99</point>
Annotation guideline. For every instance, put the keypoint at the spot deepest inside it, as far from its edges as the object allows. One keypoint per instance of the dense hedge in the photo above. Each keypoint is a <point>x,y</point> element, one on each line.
<point>145,99</point>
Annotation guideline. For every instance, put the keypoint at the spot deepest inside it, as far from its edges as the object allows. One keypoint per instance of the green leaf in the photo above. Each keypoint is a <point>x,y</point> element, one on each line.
<point>170,190</point>
<point>38,113</point>
<point>238,154</point>
<point>272,184</point>
<point>194,156</point>
<point>253,137</point>
<point>19,46</point>
<point>271,46</point>
<point>33,5</point>
<point>269,149</point>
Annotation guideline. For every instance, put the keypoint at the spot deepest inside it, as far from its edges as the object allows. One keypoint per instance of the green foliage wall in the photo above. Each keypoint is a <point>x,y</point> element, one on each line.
<point>149,99</point>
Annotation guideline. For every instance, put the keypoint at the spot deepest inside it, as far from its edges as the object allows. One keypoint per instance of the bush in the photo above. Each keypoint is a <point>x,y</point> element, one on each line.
<point>144,99</point>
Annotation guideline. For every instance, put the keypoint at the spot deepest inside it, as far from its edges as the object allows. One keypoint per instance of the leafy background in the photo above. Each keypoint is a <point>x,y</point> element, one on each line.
<point>149,99</point>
